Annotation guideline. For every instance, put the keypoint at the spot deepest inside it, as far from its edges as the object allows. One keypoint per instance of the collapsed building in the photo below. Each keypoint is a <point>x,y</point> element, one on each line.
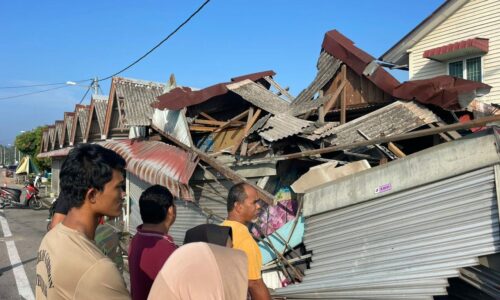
<point>372,188</point>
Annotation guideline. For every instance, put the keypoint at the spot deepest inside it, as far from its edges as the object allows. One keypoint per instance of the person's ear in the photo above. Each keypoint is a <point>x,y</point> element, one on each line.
<point>91,195</point>
<point>171,211</point>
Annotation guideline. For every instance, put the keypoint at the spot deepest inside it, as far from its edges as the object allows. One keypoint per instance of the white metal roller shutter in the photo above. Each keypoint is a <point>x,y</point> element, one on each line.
<point>402,246</point>
<point>188,214</point>
<point>136,187</point>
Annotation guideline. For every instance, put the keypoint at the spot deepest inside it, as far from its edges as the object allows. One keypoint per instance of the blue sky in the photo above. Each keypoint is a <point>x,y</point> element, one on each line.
<point>58,41</point>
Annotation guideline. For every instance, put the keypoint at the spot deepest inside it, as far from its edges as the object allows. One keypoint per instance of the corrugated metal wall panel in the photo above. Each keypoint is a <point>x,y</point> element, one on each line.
<point>56,170</point>
<point>188,213</point>
<point>388,246</point>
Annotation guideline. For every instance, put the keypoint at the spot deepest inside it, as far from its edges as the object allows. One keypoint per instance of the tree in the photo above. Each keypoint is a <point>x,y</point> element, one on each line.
<point>30,143</point>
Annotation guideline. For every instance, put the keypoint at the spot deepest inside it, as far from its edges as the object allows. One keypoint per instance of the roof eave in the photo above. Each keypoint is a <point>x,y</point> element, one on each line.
<point>398,54</point>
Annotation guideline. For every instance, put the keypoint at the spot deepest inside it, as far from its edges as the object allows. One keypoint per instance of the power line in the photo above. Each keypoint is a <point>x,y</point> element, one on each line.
<point>33,93</point>
<point>39,85</point>
<point>159,44</point>
<point>110,76</point>
<point>85,95</point>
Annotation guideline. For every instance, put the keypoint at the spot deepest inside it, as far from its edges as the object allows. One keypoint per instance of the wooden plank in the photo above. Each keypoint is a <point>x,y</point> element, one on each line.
<point>331,102</point>
<point>249,125</point>
<point>237,118</point>
<point>453,134</point>
<point>218,123</point>
<point>207,116</point>
<point>222,169</point>
<point>343,96</point>
<point>386,139</point>
<point>202,128</point>
<point>279,88</point>
<point>395,149</point>
<point>442,134</point>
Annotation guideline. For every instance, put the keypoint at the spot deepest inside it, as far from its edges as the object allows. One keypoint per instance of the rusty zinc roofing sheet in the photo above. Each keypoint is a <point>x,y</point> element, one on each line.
<point>358,60</point>
<point>181,97</point>
<point>158,163</point>
<point>281,126</point>
<point>135,98</point>
<point>445,91</point>
<point>55,153</point>
<point>396,118</point>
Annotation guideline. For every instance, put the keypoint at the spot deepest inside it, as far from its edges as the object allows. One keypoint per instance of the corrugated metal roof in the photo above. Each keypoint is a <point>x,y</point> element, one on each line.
<point>259,96</point>
<point>282,126</point>
<point>395,118</point>
<point>358,60</point>
<point>403,245</point>
<point>55,153</point>
<point>482,278</point>
<point>135,98</point>
<point>181,97</point>
<point>462,48</point>
<point>157,163</point>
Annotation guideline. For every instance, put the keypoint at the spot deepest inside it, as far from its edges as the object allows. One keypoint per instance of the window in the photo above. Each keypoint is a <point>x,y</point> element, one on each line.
<point>468,68</point>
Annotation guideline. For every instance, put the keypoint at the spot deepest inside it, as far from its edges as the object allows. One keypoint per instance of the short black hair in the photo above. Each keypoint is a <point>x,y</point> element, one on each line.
<point>154,204</point>
<point>87,166</point>
<point>209,233</point>
<point>236,194</point>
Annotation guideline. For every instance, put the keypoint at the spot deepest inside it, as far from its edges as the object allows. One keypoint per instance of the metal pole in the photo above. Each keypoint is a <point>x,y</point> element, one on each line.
<point>95,85</point>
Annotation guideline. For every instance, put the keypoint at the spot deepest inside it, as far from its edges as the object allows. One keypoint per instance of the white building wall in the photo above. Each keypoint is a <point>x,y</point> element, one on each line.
<point>477,18</point>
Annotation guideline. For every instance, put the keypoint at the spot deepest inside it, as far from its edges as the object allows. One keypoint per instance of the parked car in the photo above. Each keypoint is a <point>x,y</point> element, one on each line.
<point>11,170</point>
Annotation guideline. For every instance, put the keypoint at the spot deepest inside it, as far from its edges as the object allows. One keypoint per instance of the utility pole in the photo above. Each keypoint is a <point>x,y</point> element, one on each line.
<point>95,85</point>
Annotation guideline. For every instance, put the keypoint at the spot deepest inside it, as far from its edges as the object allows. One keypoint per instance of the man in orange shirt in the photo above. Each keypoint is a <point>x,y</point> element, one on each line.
<point>242,207</point>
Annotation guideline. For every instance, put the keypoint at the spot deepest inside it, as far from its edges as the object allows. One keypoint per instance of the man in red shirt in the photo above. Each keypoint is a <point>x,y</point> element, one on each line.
<point>151,246</point>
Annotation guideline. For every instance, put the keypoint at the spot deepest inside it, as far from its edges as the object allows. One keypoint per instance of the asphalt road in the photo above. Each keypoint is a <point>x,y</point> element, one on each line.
<point>21,231</point>
<point>27,229</point>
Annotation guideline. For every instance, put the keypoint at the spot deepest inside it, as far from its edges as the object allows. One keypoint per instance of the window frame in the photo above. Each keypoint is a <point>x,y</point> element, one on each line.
<point>464,65</point>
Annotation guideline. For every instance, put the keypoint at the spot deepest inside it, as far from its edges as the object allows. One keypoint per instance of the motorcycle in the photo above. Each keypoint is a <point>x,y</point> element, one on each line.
<point>10,197</point>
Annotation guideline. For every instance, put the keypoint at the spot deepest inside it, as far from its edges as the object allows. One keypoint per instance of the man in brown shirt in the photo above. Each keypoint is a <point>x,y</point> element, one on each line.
<point>69,265</point>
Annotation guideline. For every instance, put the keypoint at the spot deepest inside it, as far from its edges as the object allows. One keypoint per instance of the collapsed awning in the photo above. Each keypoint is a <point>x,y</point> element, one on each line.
<point>158,163</point>
<point>445,91</point>
<point>476,46</point>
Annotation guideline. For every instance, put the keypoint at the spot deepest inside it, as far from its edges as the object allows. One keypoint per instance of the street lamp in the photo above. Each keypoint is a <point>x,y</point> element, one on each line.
<point>93,85</point>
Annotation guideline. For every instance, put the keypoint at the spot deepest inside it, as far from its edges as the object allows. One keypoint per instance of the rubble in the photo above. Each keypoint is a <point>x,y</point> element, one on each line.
<point>325,151</point>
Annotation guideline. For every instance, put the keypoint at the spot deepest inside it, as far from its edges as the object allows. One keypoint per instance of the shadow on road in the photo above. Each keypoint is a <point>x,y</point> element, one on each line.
<point>5,269</point>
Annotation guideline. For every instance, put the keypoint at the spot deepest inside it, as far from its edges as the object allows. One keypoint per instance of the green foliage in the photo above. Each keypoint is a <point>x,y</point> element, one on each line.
<point>30,143</point>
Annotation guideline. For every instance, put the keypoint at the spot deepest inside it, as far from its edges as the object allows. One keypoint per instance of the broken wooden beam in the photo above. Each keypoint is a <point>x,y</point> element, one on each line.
<point>222,169</point>
<point>252,119</point>
<point>283,91</point>
<point>237,118</point>
<point>386,139</point>
<point>207,116</point>
<point>395,149</point>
